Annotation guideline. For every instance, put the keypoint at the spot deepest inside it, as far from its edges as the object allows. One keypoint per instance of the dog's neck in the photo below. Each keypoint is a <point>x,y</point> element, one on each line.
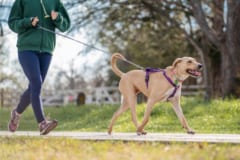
<point>176,78</point>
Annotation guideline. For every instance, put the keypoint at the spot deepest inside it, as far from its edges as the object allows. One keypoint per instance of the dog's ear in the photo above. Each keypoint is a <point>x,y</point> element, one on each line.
<point>176,62</point>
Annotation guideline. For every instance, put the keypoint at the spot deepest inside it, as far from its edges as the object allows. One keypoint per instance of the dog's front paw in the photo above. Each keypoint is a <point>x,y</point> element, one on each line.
<point>109,131</point>
<point>139,133</point>
<point>190,132</point>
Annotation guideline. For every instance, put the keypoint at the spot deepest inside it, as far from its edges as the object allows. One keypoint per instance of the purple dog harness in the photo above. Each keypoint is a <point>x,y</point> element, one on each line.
<point>153,70</point>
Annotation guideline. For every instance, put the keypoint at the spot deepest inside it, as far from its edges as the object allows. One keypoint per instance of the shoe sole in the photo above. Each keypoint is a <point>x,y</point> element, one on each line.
<point>49,128</point>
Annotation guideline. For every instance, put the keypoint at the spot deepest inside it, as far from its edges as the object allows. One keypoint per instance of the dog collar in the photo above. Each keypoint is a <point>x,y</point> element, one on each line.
<point>177,80</point>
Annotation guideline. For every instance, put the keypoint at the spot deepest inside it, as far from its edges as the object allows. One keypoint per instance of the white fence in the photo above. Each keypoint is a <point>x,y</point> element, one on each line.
<point>100,95</point>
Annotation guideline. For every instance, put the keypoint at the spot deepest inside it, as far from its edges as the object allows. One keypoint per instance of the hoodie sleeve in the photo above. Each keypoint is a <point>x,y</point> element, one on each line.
<point>16,22</point>
<point>62,22</point>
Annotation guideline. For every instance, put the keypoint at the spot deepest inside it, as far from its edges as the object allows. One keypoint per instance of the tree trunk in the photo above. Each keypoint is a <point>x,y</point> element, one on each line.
<point>227,76</point>
<point>233,48</point>
<point>226,38</point>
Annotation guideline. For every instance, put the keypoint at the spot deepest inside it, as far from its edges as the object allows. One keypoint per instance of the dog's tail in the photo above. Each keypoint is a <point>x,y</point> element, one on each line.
<point>115,69</point>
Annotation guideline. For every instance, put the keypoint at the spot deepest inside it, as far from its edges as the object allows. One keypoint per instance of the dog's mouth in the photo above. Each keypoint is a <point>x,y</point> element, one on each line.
<point>194,73</point>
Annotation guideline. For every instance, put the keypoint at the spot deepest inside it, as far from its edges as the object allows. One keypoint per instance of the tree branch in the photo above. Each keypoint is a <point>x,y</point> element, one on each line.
<point>201,20</point>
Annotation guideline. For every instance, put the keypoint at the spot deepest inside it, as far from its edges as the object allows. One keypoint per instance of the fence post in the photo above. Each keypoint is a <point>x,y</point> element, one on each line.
<point>1,97</point>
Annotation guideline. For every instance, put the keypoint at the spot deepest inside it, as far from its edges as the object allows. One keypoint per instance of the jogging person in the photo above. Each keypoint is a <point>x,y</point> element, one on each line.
<point>35,48</point>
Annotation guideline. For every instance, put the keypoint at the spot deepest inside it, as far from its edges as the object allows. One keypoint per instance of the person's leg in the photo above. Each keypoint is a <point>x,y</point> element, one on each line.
<point>24,101</point>
<point>44,60</point>
<point>30,63</point>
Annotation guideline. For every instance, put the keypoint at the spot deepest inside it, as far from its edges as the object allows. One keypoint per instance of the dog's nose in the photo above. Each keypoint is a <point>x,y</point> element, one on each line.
<point>200,66</point>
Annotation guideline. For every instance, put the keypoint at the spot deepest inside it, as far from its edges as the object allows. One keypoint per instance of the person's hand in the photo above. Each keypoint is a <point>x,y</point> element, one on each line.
<point>54,15</point>
<point>35,20</point>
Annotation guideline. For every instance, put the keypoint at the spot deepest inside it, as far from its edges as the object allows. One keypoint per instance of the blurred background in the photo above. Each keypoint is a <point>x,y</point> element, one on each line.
<point>151,33</point>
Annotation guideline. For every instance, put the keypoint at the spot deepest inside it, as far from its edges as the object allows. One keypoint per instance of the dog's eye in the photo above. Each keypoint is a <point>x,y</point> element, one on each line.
<point>189,61</point>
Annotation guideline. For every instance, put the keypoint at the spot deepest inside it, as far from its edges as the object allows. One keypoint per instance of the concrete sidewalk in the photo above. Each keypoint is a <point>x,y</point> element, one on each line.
<point>152,137</point>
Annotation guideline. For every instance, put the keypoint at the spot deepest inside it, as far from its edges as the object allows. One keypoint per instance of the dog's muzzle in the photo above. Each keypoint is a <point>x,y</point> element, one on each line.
<point>195,72</point>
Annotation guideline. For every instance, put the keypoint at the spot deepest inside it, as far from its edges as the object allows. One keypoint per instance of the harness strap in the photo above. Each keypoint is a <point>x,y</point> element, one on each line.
<point>173,84</point>
<point>153,70</point>
<point>149,71</point>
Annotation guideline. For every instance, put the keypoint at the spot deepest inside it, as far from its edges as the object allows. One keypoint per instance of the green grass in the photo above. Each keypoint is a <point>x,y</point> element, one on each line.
<point>217,116</point>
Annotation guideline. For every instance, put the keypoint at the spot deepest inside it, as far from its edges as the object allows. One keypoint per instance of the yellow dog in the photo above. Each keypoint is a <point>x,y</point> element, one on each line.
<point>157,85</point>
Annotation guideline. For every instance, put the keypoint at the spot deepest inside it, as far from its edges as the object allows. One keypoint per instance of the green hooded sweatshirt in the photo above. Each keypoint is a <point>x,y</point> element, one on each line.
<point>29,37</point>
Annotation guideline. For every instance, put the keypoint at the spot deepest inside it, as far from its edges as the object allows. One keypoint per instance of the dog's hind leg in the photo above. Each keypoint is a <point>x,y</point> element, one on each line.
<point>121,109</point>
